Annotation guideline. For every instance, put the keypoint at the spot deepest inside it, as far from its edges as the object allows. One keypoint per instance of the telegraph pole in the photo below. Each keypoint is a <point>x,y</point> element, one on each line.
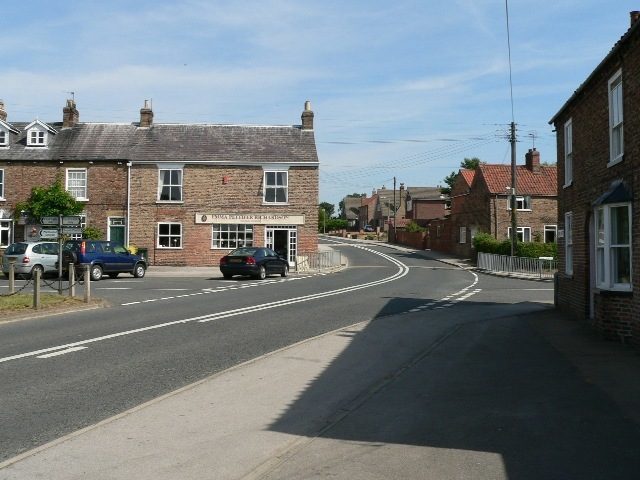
<point>514,223</point>
<point>395,209</point>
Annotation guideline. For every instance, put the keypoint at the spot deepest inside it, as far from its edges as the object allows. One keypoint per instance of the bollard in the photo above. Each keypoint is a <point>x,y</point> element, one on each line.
<point>36,289</point>
<point>71,272</point>
<point>12,276</point>
<point>87,284</point>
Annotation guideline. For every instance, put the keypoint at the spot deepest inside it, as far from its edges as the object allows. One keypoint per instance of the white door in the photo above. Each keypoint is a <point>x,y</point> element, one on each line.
<point>284,240</point>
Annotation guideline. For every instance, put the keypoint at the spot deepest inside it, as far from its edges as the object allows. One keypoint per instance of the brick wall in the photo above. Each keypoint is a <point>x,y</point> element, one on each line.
<point>616,315</point>
<point>205,190</point>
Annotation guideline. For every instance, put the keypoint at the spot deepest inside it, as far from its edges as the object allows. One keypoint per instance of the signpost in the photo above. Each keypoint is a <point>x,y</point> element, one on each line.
<point>53,228</point>
<point>49,234</point>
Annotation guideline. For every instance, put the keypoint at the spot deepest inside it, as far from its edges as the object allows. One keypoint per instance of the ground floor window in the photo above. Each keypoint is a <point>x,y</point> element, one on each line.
<point>463,234</point>
<point>550,232</point>
<point>169,235</point>
<point>523,233</point>
<point>83,224</point>
<point>613,246</point>
<point>5,233</point>
<point>231,235</point>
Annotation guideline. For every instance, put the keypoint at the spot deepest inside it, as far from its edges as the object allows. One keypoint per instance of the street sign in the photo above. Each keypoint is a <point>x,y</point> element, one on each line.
<point>50,234</point>
<point>49,220</point>
<point>71,220</point>
<point>72,230</point>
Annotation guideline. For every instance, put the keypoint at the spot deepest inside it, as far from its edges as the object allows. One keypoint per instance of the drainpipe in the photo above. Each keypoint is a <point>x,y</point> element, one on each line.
<point>128,198</point>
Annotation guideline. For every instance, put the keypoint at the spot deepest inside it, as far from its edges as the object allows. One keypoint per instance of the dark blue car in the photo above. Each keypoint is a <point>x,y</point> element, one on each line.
<point>103,257</point>
<point>255,262</point>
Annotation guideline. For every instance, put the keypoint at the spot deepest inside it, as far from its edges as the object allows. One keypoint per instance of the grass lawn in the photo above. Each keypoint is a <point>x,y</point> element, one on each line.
<point>23,303</point>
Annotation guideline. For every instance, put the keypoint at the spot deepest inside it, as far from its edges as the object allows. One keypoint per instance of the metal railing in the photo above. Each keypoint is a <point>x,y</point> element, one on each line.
<point>318,261</point>
<point>543,267</point>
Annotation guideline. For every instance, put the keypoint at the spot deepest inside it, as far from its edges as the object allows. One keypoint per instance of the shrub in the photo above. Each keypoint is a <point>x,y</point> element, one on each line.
<point>414,227</point>
<point>484,242</point>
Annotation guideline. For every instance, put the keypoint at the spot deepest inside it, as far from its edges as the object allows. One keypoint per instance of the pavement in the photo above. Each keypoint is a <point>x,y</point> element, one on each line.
<point>306,411</point>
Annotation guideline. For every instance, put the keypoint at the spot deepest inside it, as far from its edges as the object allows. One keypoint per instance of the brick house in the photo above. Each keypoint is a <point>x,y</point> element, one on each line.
<point>599,160</point>
<point>480,202</point>
<point>425,203</point>
<point>187,192</point>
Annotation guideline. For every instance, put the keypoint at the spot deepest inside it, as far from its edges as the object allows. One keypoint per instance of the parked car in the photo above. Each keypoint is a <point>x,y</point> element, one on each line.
<point>31,256</point>
<point>369,228</point>
<point>256,262</point>
<point>103,257</point>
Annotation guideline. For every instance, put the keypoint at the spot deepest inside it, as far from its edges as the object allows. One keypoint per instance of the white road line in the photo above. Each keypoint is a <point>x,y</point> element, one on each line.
<point>114,288</point>
<point>61,352</point>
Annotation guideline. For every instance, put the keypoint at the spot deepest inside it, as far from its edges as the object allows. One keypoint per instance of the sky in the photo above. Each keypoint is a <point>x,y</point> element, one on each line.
<point>404,89</point>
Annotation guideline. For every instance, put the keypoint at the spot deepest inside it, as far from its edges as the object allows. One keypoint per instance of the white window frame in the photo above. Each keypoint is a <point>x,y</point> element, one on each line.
<point>523,200</point>
<point>5,226</point>
<point>170,185</point>
<point>525,232</point>
<point>463,235</point>
<point>568,153</point>
<point>36,137</point>
<point>74,190</point>
<point>616,119</point>
<point>276,186</point>
<point>175,240</point>
<point>568,243</point>
<point>605,248</point>
<point>4,138</point>
<point>83,225</point>
<point>550,228</point>
<point>237,235</point>
<point>2,184</point>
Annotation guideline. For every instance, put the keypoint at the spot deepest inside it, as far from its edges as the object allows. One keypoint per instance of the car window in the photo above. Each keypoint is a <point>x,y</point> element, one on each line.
<point>72,246</point>
<point>107,248</point>
<point>93,247</point>
<point>37,249</point>
<point>51,248</point>
<point>120,249</point>
<point>16,249</point>
<point>242,252</point>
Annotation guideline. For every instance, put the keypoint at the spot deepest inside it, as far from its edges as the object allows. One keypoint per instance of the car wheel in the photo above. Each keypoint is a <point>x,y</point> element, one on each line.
<point>139,270</point>
<point>285,272</point>
<point>113,275</point>
<point>227,276</point>
<point>95,272</point>
<point>37,268</point>
<point>262,273</point>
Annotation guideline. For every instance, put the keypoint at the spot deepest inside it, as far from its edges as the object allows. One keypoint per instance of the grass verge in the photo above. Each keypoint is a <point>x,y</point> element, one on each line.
<point>21,303</point>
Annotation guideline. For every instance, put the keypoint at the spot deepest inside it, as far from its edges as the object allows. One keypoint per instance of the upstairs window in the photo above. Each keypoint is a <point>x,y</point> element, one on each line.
<point>276,187</point>
<point>36,138</point>
<point>522,203</point>
<point>3,138</point>
<point>616,133</point>
<point>170,185</point>
<point>77,183</point>
<point>568,153</point>
<point>613,247</point>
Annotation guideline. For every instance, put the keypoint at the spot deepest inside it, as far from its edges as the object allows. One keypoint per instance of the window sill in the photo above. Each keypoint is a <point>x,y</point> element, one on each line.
<point>274,204</point>
<point>36,147</point>
<point>174,202</point>
<point>168,248</point>
<point>615,292</point>
<point>81,199</point>
<point>615,161</point>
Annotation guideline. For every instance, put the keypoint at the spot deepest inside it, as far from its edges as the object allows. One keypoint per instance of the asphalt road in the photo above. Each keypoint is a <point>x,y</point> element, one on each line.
<point>62,373</point>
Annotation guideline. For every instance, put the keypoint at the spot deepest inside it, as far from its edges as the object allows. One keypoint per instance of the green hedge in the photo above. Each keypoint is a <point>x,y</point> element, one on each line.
<point>484,242</point>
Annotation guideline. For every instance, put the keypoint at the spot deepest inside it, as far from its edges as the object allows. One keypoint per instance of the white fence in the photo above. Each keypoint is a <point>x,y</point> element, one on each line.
<point>533,267</point>
<point>318,261</point>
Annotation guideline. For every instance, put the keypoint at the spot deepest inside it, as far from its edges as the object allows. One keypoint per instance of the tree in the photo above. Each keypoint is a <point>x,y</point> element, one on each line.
<point>330,208</point>
<point>49,202</point>
<point>468,164</point>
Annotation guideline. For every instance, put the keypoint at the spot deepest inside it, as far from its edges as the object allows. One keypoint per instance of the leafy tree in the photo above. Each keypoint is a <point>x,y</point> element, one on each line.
<point>330,208</point>
<point>48,202</point>
<point>468,164</point>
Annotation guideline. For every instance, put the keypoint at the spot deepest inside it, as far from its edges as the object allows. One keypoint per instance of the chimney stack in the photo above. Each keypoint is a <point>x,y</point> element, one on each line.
<point>532,158</point>
<point>70,114</point>
<point>635,15</point>
<point>146,115</point>
<point>3,112</point>
<point>307,116</point>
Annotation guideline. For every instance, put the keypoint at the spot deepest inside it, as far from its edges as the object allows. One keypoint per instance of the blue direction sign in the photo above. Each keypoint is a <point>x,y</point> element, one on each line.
<point>49,220</point>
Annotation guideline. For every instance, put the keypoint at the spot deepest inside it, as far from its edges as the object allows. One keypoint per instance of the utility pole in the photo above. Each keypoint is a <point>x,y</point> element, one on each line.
<point>514,223</point>
<point>395,209</point>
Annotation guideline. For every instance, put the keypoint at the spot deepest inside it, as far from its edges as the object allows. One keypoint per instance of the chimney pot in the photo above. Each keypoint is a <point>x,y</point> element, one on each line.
<point>635,16</point>
<point>307,116</point>
<point>146,115</point>
<point>70,114</point>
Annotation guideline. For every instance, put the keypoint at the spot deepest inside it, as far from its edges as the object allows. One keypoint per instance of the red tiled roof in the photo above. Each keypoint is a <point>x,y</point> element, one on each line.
<point>468,175</point>
<point>371,201</point>
<point>498,179</point>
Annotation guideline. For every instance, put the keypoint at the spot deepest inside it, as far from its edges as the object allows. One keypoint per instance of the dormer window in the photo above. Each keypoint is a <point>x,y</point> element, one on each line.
<point>5,130</point>
<point>3,138</point>
<point>38,134</point>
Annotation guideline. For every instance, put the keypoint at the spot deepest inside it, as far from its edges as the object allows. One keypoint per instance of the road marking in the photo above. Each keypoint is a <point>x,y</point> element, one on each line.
<point>113,288</point>
<point>61,352</point>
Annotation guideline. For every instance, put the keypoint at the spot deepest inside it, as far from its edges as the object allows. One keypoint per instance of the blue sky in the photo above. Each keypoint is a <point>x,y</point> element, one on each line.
<point>403,88</point>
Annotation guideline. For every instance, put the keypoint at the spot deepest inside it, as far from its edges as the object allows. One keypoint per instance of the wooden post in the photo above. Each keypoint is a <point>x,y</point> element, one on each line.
<point>36,289</point>
<point>87,284</point>
<point>71,271</point>
<point>12,276</point>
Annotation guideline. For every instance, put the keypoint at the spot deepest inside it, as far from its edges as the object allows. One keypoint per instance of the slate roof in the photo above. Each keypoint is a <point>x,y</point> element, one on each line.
<point>229,144</point>
<point>424,193</point>
<point>498,178</point>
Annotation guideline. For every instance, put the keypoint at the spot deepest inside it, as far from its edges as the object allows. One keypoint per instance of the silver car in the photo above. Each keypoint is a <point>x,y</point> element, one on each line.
<point>31,256</point>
